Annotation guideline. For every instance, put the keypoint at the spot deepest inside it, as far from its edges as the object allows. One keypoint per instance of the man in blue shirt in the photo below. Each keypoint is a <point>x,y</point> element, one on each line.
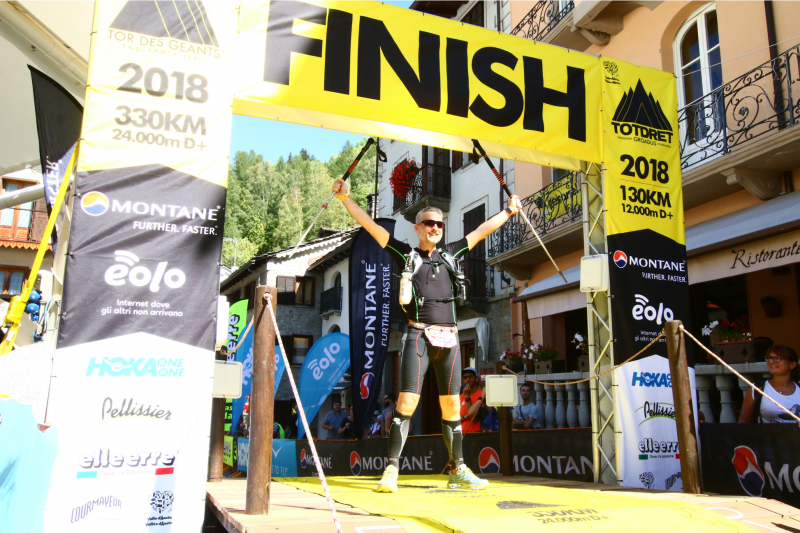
<point>333,420</point>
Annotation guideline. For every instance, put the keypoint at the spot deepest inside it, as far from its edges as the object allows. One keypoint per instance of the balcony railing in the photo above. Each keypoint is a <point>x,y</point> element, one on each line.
<point>433,180</point>
<point>480,278</point>
<point>552,207</point>
<point>541,20</point>
<point>331,302</point>
<point>758,103</point>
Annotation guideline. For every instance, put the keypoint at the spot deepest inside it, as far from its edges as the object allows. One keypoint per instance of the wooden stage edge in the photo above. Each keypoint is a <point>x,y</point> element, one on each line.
<point>294,511</point>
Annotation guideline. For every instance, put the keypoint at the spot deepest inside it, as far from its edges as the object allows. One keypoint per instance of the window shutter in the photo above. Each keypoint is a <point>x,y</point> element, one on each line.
<point>38,221</point>
<point>458,160</point>
<point>285,285</point>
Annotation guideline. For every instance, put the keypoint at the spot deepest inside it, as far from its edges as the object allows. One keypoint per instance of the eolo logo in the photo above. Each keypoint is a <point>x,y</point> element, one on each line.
<point>318,365</point>
<point>140,275</point>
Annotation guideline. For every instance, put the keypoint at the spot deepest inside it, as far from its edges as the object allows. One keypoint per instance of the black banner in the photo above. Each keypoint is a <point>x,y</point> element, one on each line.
<point>559,454</point>
<point>142,254</point>
<point>650,286</point>
<point>58,123</point>
<point>752,460</point>
<point>371,270</point>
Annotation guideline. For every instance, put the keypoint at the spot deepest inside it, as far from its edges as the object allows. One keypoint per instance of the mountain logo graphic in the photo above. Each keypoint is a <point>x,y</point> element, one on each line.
<point>489,461</point>
<point>94,203</point>
<point>355,463</point>
<point>184,21</point>
<point>639,114</point>
<point>751,478</point>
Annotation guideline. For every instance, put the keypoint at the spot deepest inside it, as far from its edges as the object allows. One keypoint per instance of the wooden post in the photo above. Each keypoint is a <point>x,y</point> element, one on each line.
<point>684,412</point>
<point>262,396</point>
<point>506,451</point>
<point>217,441</point>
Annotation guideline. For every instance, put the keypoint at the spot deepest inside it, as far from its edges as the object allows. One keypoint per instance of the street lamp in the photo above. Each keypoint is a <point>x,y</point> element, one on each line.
<point>234,249</point>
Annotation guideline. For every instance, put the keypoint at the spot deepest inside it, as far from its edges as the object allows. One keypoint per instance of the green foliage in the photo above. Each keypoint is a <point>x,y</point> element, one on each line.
<point>269,206</point>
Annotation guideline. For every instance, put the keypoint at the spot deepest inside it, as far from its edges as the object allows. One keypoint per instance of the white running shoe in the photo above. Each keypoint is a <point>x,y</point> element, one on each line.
<point>388,482</point>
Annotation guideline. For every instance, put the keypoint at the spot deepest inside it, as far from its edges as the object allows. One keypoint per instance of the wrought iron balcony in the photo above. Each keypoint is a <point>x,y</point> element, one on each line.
<point>480,279</point>
<point>431,187</point>
<point>541,20</point>
<point>554,206</point>
<point>758,103</point>
<point>331,302</point>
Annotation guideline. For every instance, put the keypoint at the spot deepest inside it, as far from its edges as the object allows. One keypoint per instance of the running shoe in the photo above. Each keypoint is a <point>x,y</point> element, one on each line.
<point>388,482</point>
<point>464,478</point>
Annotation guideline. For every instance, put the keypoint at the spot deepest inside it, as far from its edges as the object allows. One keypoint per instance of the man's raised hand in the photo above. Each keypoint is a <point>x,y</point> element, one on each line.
<point>514,204</point>
<point>339,189</point>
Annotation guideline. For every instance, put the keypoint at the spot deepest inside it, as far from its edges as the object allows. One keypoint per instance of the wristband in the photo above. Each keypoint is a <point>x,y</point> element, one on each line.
<point>509,211</point>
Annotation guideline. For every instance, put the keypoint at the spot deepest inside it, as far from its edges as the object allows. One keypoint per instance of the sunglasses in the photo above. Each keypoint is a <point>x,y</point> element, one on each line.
<point>432,223</point>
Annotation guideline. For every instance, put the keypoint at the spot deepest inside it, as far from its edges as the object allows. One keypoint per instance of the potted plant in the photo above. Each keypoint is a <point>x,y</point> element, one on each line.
<point>513,360</point>
<point>545,360</point>
<point>731,340</point>
<point>403,176</point>
<point>583,351</point>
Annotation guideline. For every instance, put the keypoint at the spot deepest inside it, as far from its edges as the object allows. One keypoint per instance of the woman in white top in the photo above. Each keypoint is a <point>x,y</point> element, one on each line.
<point>783,365</point>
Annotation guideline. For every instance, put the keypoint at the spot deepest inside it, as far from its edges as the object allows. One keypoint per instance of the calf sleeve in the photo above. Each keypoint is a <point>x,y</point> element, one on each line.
<point>451,431</point>
<point>397,437</point>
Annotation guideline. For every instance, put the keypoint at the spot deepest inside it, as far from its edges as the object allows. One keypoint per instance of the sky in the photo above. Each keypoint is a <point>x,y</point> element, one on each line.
<point>273,139</point>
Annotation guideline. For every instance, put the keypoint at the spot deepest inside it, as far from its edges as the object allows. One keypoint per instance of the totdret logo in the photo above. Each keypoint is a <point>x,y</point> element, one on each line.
<point>640,115</point>
<point>366,384</point>
<point>751,478</point>
<point>620,259</point>
<point>94,203</point>
<point>489,461</point>
<point>355,463</point>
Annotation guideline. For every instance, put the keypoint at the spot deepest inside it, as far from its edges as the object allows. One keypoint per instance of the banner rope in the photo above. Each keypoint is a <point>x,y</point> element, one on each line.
<point>300,410</point>
<point>242,337</point>
<point>726,365</point>
<point>631,358</point>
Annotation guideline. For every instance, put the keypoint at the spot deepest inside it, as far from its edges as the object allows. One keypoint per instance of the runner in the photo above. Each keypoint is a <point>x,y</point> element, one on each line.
<point>432,282</point>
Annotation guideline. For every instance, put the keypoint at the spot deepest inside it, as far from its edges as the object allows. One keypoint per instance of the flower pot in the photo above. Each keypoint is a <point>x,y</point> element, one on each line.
<point>528,366</point>
<point>517,367</point>
<point>550,367</point>
<point>734,352</point>
<point>583,363</point>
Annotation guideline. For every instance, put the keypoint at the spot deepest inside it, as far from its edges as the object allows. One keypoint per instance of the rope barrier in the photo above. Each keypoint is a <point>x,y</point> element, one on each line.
<point>300,410</point>
<point>726,365</point>
<point>631,358</point>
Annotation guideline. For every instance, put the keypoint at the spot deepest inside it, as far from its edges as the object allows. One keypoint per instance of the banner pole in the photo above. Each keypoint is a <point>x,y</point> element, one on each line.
<point>302,413</point>
<point>346,175</point>
<point>521,212</point>
<point>18,303</point>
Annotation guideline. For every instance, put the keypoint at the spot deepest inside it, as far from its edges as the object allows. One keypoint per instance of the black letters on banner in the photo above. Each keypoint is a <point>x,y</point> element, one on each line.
<point>337,51</point>
<point>457,78</point>
<point>371,271</point>
<point>374,38</point>
<point>761,460</point>
<point>482,63</point>
<point>536,95</point>
<point>281,42</point>
<point>558,454</point>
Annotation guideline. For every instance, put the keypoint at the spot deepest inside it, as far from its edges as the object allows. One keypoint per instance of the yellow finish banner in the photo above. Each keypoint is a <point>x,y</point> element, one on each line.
<point>378,69</point>
<point>642,157</point>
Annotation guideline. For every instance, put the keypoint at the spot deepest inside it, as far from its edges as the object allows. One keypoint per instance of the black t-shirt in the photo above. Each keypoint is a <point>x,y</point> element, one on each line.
<point>349,433</point>
<point>429,284</point>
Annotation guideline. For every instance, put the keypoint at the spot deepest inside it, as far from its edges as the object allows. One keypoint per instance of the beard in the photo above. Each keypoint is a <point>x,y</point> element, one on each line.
<point>433,238</point>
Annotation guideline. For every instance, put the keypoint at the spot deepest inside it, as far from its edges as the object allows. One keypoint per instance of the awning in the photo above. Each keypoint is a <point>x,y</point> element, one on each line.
<point>481,325</point>
<point>552,296</point>
<point>772,217</point>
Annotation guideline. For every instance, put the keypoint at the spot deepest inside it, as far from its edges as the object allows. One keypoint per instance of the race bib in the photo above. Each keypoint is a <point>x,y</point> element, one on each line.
<point>442,337</point>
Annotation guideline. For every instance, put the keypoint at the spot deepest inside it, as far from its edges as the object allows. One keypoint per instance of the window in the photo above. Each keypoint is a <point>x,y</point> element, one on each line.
<point>296,290</point>
<point>297,346</point>
<point>474,16</point>
<point>559,173</point>
<point>11,279</point>
<point>337,280</point>
<point>697,58</point>
<point>14,223</point>
<point>458,160</point>
<point>304,291</point>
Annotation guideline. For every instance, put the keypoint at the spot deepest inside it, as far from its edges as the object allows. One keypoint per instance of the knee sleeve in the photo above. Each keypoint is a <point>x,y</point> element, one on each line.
<point>451,431</point>
<point>397,436</point>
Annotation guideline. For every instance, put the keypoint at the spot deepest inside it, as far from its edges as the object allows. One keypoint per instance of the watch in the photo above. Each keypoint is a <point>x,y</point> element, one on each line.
<point>509,211</point>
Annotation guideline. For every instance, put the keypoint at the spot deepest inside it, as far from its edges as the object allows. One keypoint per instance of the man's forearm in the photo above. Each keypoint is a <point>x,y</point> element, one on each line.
<point>361,216</point>
<point>487,228</point>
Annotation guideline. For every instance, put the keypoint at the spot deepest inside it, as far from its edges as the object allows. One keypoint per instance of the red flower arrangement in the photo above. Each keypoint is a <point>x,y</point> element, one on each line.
<point>403,177</point>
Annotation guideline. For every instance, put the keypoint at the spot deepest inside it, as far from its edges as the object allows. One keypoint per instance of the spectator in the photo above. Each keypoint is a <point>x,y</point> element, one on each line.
<point>389,402</point>
<point>347,428</point>
<point>472,402</point>
<point>782,387</point>
<point>333,420</point>
<point>277,431</point>
<point>291,427</point>
<point>376,426</point>
<point>526,414</point>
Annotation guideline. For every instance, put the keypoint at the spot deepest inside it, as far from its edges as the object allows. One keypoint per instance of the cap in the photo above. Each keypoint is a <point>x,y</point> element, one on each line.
<point>469,369</point>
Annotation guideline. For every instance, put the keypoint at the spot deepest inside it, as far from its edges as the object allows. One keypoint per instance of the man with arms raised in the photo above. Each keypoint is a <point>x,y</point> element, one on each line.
<point>432,335</point>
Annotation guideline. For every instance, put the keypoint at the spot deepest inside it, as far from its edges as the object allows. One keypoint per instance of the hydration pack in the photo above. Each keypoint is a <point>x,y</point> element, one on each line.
<point>414,262</point>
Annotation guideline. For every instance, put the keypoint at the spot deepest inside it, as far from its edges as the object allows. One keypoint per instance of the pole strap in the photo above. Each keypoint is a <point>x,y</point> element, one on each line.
<point>303,415</point>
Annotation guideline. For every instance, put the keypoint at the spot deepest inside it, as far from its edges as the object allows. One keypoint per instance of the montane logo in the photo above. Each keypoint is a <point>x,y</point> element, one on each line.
<point>184,21</point>
<point>355,463</point>
<point>620,259</point>
<point>94,203</point>
<point>640,115</point>
<point>489,461</point>
<point>366,384</point>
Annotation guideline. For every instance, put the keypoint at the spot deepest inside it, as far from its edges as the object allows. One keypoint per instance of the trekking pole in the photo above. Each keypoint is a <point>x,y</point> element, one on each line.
<point>521,212</point>
<point>346,175</point>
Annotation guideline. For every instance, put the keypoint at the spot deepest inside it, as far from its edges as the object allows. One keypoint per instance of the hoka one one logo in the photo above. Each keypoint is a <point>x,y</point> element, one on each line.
<point>651,379</point>
<point>137,367</point>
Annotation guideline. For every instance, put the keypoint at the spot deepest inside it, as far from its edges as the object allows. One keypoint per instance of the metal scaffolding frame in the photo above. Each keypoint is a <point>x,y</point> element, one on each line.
<point>605,434</point>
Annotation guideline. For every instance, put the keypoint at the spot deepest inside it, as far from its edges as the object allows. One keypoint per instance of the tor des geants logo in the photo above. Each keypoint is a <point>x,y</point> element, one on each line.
<point>183,21</point>
<point>639,115</point>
